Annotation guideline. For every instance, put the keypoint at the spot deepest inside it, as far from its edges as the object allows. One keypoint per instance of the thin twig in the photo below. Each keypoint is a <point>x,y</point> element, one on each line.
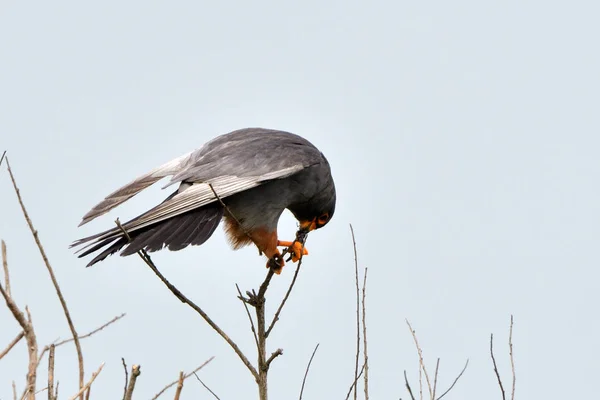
<point>455,380</point>
<point>112,321</point>
<point>421,361</point>
<point>5,266</point>
<point>357,309</point>
<point>157,395</point>
<point>2,158</point>
<point>179,385</point>
<point>496,367</point>
<point>355,382</point>
<point>287,294</point>
<point>248,313</point>
<point>274,355</point>
<point>126,377</point>
<point>408,386</point>
<point>206,387</point>
<point>14,387</point>
<point>435,376</point>
<point>51,374</point>
<point>12,344</point>
<point>307,369</point>
<point>135,372</point>
<point>87,385</point>
<point>87,393</point>
<point>146,258</point>
<point>364,323</point>
<point>52,277</point>
<point>512,360</point>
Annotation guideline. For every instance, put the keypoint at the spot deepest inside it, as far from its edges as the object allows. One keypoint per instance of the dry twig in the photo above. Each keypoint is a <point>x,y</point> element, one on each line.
<point>206,387</point>
<point>496,367</point>
<point>512,360</point>
<point>455,380</point>
<point>12,344</point>
<point>307,369</point>
<point>364,323</point>
<point>5,266</point>
<point>357,310</point>
<point>421,361</point>
<point>408,386</point>
<point>89,384</point>
<point>126,378</point>
<point>52,277</point>
<point>355,382</point>
<point>157,395</point>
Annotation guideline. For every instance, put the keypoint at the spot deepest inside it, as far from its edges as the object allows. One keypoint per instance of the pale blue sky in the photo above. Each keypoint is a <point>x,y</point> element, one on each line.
<point>463,138</point>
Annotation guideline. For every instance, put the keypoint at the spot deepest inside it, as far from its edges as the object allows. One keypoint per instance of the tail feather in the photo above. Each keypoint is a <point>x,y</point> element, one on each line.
<point>176,233</point>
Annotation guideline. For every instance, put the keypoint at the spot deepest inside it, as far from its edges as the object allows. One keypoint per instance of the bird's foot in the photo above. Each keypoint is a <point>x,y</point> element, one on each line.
<point>276,263</point>
<point>295,248</point>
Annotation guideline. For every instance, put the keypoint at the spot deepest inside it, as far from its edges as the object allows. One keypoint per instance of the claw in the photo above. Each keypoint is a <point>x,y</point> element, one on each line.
<point>296,249</point>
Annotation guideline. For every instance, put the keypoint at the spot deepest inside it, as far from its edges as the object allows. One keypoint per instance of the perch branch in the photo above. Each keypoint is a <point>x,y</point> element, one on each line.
<point>52,277</point>
<point>146,258</point>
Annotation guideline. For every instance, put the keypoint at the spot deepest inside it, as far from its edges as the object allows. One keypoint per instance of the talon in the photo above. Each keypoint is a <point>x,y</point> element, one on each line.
<point>295,248</point>
<point>276,263</point>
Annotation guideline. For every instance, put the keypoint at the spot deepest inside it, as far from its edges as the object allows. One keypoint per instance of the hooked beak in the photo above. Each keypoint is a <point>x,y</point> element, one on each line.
<point>307,226</point>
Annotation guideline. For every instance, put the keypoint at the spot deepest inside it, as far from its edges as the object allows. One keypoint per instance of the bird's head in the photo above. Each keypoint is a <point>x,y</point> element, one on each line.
<point>317,212</point>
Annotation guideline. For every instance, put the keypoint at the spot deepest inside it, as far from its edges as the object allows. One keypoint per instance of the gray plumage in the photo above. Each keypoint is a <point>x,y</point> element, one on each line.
<point>257,172</point>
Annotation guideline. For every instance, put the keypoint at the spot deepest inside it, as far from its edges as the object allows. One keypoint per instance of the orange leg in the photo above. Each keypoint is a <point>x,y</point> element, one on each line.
<point>296,248</point>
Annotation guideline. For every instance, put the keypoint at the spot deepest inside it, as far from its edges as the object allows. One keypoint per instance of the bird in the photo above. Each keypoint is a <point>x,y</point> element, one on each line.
<point>246,178</point>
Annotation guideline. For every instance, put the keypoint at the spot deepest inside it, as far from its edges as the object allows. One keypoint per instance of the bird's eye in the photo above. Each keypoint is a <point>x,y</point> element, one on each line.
<point>323,219</point>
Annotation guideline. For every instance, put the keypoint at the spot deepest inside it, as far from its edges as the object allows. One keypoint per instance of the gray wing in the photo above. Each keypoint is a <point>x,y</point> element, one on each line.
<point>231,163</point>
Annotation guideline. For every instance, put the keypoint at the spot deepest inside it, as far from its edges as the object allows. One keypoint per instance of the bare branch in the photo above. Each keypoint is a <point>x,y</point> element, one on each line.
<point>63,303</point>
<point>135,372</point>
<point>421,361</point>
<point>12,344</point>
<point>126,378</point>
<point>435,376</point>
<point>248,313</point>
<point>364,323</point>
<point>14,387</point>
<point>496,367</point>
<point>206,387</point>
<point>51,374</point>
<point>112,321</point>
<point>307,369</point>
<point>512,360</point>
<point>29,332</point>
<point>357,310</point>
<point>2,158</point>
<point>87,385</point>
<point>273,356</point>
<point>408,386</point>
<point>146,258</point>
<point>179,385</point>
<point>355,381</point>
<point>5,266</point>
<point>455,380</point>
<point>157,395</point>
